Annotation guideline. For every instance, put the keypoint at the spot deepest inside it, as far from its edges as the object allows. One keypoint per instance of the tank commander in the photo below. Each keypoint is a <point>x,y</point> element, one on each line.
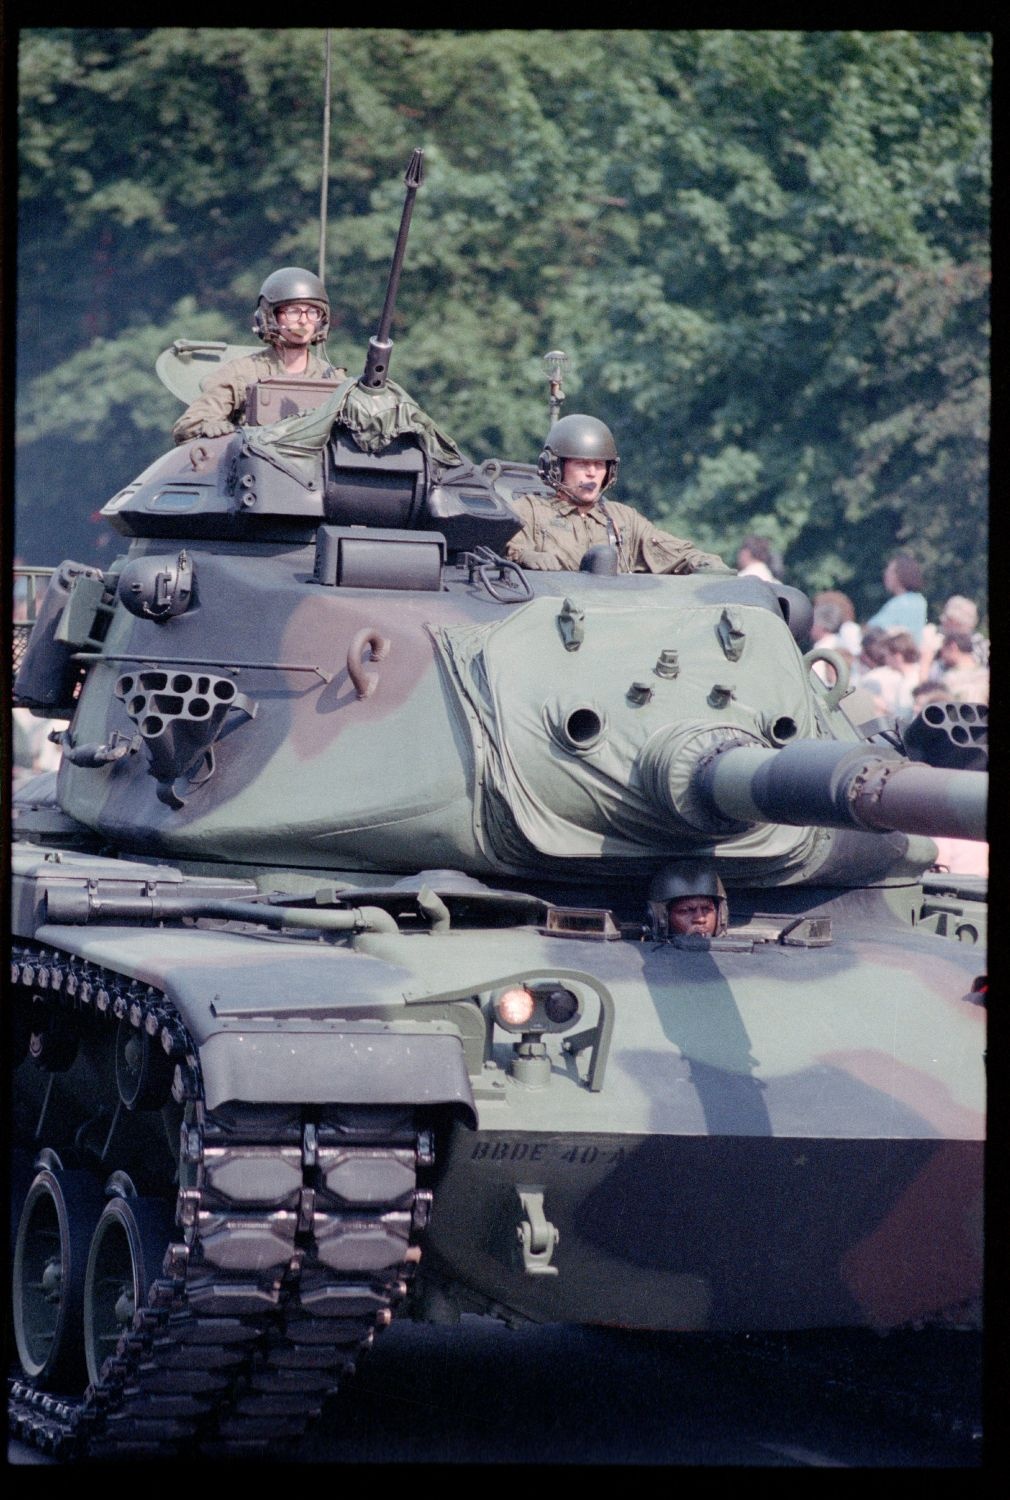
<point>688,900</point>
<point>292,314</point>
<point>579,463</point>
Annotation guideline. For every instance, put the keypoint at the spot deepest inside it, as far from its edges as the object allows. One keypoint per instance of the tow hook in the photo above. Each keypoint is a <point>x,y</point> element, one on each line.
<point>536,1236</point>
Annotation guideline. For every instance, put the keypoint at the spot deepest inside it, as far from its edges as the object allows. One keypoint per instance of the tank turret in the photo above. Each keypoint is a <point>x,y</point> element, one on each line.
<point>270,703</point>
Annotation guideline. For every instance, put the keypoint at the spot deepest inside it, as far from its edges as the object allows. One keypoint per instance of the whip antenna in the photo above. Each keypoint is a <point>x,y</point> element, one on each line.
<point>326,164</point>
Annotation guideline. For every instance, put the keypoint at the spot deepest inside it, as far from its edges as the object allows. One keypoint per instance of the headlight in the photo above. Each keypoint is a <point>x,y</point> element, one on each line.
<point>561,1006</point>
<point>536,1007</point>
<point>513,1008</point>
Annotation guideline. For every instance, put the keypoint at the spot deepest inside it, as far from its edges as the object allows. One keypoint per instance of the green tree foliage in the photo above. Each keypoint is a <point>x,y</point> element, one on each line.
<point>765,253</point>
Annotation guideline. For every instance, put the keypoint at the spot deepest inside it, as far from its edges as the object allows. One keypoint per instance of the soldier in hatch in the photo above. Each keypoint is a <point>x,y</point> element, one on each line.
<point>292,314</point>
<point>687,899</point>
<point>579,463</point>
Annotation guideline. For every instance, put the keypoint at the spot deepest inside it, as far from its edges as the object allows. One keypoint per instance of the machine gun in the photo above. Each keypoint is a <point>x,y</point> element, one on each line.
<point>380,345</point>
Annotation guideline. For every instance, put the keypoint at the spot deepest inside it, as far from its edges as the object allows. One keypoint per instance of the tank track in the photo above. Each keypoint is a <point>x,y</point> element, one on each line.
<point>268,1296</point>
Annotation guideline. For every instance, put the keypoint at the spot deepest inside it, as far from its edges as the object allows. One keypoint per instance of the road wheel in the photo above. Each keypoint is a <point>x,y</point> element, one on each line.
<point>126,1253</point>
<point>50,1256</point>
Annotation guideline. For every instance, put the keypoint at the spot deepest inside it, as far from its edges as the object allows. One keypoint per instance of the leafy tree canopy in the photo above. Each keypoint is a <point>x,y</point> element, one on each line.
<point>766,254</point>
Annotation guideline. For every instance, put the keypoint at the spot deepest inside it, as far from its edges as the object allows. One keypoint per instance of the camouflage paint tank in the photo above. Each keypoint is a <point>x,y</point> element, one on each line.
<point>333,980</point>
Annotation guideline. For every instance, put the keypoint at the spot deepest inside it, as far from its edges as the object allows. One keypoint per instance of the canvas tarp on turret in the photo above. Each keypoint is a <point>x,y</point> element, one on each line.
<point>373,419</point>
<point>515,679</point>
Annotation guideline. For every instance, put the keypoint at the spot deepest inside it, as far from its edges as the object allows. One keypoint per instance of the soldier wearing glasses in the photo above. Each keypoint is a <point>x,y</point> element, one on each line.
<point>292,314</point>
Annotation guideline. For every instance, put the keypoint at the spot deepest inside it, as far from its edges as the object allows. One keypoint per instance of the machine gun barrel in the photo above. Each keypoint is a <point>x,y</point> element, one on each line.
<point>835,784</point>
<point>380,345</point>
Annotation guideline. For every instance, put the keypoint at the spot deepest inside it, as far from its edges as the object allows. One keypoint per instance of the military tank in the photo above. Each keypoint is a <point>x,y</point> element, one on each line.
<point>337,990</point>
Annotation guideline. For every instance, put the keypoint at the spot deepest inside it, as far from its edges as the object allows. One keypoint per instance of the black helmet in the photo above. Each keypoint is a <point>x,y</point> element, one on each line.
<point>289,284</point>
<point>577,436</point>
<point>686,877</point>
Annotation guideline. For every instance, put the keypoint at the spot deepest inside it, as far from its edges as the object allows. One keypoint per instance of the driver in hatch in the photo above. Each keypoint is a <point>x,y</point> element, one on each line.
<point>579,462</point>
<point>292,314</point>
<point>688,900</point>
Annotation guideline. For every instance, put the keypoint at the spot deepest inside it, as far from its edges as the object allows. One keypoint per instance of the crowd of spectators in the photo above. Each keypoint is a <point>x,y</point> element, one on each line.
<point>898,655</point>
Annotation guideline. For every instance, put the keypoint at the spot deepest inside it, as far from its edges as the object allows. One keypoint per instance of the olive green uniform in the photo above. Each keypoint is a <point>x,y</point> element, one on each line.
<point>221,406</point>
<point>557,533</point>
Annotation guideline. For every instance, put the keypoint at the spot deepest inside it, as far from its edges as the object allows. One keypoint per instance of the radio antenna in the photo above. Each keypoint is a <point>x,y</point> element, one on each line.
<point>326,164</point>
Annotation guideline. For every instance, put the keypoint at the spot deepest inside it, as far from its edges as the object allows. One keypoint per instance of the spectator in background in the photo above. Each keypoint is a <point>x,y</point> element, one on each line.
<point>758,559</point>
<point>903,655</point>
<point>961,856</point>
<point>889,687</point>
<point>959,617</point>
<point>926,693</point>
<point>963,679</point>
<point>826,624</point>
<point>907,605</point>
<point>33,751</point>
<point>824,631</point>
<point>20,592</point>
<point>850,637</point>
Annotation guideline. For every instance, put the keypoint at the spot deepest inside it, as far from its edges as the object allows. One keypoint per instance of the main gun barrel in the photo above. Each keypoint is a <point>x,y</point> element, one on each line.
<point>835,784</point>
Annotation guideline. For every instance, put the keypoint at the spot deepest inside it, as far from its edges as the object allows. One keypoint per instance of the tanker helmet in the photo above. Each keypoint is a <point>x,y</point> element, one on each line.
<point>686,877</point>
<point>577,436</point>
<point>290,284</point>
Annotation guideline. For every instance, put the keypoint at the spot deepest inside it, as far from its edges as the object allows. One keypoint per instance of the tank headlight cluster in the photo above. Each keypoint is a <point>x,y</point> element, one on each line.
<point>536,1007</point>
<point>514,1007</point>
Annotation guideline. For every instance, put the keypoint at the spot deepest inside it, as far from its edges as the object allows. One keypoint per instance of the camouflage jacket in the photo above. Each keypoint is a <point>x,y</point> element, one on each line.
<point>224,395</point>
<point>556,534</point>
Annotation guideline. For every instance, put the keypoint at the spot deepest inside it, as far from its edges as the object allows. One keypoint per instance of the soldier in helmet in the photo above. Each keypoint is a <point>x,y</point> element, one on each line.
<point>579,463</point>
<point>292,314</point>
<point>688,900</point>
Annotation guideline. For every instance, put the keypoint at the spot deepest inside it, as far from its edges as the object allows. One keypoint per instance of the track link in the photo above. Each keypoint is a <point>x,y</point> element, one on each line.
<point>296,1241</point>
